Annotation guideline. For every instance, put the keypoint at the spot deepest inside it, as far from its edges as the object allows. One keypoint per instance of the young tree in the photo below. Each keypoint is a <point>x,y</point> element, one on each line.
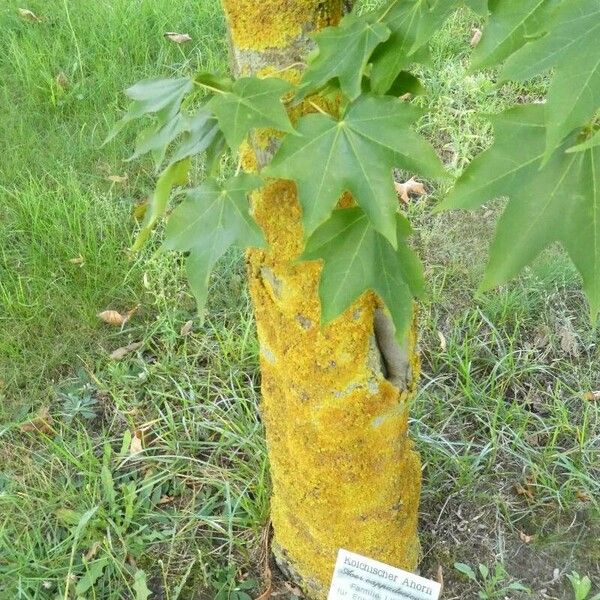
<point>331,276</point>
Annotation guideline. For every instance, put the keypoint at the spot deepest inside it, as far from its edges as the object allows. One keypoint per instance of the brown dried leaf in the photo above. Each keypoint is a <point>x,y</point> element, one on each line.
<point>568,340</point>
<point>268,579</point>
<point>524,491</point>
<point>443,344</point>
<point>122,352</point>
<point>41,423</point>
<point>409,187</point>
<point>439,577</point>
<point>292,589</point>
<point>534,439</point>
<point>118,178</point>
<point>112,317</point>
<point>92,551</point>
<point>187,328</point>
<point>541,337</point>
<point>526,539</point>
<point>592,396</point>
<point>475,37</point>
<point>137,442</point>
<point>178,38</point>
<point>26,14</point>
<point>62,81</point>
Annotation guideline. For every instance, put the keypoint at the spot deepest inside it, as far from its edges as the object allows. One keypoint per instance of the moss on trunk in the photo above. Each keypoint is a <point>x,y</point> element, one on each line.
<point>343,469</point>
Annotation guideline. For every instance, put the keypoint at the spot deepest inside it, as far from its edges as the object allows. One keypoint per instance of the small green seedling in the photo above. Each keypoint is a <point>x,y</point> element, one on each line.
<point>582,586</point>
<point>227,586</point>
<point>491,585</point>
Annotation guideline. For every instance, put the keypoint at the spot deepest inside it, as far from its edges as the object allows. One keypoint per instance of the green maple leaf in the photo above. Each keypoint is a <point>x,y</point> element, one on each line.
<point>591,142</point>
<point>343,54</point>
<point>175,174</point>
<point>198,131</point>
<point>508,29</point>
<point>212,218</point>
<point>357,258</point>
<point>572,48</point>
<point>161,97</point>
<point>412,22</point>
<point>251,103</point>
<point>554,201</point>
<point>355,154</point>
<point>155,140</point>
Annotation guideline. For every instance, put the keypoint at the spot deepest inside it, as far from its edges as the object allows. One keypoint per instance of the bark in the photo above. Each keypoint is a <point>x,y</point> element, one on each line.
<point>336,397</point>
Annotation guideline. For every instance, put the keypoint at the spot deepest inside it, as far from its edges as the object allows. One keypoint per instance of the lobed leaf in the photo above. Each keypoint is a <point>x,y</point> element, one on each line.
<point>252,103</point>
<point>343,53</point>
<point>572,48</point>
<point>557,200</point>
<point>511,24</point>
<point>355,154</point>
<point>357,258</point>
<point>412,23</point>
<point>212,218</point>
<point>175,174</point>
<point>162,97</point>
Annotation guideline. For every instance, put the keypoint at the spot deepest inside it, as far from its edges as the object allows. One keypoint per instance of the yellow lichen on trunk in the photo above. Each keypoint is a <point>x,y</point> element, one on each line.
<point>344,474</point>
<point>343,470</point>
<point>267,24</point>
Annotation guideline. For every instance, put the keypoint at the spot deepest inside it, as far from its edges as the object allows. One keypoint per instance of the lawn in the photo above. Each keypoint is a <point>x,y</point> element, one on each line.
<point>504,419</point>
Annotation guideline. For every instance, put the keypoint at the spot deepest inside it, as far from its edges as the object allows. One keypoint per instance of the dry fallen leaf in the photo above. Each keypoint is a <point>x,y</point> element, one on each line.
<point>42,423</point>
<point>178,38</point>
<point>526,539</point>
<point>592,396</point>
<point>113,317</point>
<point>524,491</point>
<point>440,576</point>
<point>117,178</point>
<point>268,579</point>
<point>187,328</point>
<point>443,344</point>
<point>475,37</point>
<point>28,15</point>
<point>409,187</point>
<point>62,80</point>
<point>92,551</point>
<point>568,340</point>
<point>122,352</point>
<point>137,443</point>
<point>534,439</point>
<point>541,337</point>
<point>292,589</point>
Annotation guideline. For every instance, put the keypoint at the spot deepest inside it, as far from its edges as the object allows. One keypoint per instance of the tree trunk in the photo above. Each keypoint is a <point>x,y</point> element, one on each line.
<point>335,397</point>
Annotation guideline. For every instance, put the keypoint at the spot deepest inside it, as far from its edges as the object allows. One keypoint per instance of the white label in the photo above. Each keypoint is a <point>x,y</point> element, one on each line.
<point>359,578</point>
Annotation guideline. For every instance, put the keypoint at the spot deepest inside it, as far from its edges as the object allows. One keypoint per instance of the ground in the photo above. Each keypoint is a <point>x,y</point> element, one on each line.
<point>151,470</point>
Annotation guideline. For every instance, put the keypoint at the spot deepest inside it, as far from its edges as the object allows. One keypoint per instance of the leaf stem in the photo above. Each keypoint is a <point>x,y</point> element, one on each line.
<point>208,87</point>
<point>318,108</point>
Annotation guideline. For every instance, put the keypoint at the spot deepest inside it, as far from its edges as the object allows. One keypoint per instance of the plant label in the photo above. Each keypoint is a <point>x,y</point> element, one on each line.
<point>357,577</point>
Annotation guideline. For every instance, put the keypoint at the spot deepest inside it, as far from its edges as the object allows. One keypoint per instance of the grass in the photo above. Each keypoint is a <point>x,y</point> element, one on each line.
<point>509,444</point>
